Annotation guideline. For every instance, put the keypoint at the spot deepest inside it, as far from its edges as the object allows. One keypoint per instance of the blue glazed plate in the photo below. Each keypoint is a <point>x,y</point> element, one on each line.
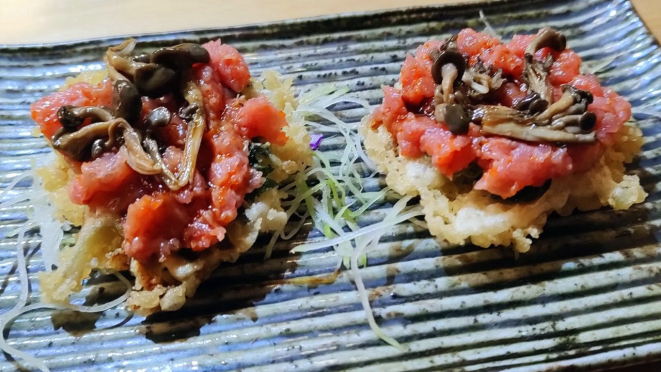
<point>586,296</point>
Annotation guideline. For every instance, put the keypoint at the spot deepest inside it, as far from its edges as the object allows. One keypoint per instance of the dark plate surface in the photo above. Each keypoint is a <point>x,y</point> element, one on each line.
<point>586,296</point>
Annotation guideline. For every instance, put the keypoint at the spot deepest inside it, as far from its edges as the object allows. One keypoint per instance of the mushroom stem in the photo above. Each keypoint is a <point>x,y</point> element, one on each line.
<point>113,74</point>
<point>481,80</point>
<point>75,144</point>
<point>479,87</point>
<point>166,175</point>
<point>138,159</point>
<point>537,134</point>
<point>115,52</point>
<point>535,73</point>
<point>566,121</point>
<point>121,50</point>
<point>447,56</point>
<point>508,122</point>
<point>491,115</point>
<point>72,117</point>
<point>478,82</point>
<point>449,73</point>
<point>118,66</point>
<point>566,101</point>
<point>125,48</point>
<point>536,76</point>
<point>122,64</point>
<point>193,95</point>
<point>577,109</point>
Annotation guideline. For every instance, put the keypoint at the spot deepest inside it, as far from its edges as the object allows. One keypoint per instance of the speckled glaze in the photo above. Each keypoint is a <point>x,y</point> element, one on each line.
<point>586,296</point>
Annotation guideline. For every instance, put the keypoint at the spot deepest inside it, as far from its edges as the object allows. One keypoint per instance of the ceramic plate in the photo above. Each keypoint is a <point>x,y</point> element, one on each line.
<point>586,296</point>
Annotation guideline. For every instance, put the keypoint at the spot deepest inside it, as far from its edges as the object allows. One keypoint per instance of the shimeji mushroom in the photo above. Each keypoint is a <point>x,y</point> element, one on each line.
<point>456,118</point>
<point>537,134</point>
<point>88,141</point>
<point>448,68</point>
<point>76,143</point>
<point>158,117</point>
<point>481,80</point>
<point>196,125</point>
<point>137,159</point>
<point>582,122</point>
<point>126,100</point>
<point>532,103</point>
<point>72,117</point>
<point>166,70</point>
<point>112,128</point>
<point>551,125</point>
<point>536,118</point>
<point>196,118</point>
<point>570,103</point>
<point>151,79</point>
<point>180,57</point>
<point>535,73</point>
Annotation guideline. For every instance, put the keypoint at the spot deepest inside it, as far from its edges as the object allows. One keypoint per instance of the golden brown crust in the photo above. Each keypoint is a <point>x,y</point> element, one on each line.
<point>165,286</point>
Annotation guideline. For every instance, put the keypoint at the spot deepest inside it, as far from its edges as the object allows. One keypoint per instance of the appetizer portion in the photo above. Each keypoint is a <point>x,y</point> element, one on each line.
<point>170,161</point>
<point>496,136</point>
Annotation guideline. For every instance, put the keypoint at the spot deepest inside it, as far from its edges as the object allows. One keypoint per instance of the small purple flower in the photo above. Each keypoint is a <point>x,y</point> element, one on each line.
<point>315,140</point>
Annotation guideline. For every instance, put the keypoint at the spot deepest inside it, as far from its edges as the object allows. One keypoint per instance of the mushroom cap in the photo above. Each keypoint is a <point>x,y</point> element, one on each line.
<point>538,105</point>
<point>547,38</point>
<point>556,40</point>
<point>578,94</point>
<point>142,58</point>
<point>181,57</point>
<point>189,111</point>
<point>72,117</point>
<point>532,103</point>
<point>154,80</point>
<point>448,56</point>
<point>97,148</point>
<point>456,119</point>
<point>68,118</point>
<point>77,145</point>
<point>588,121</point>
<point>158,117</point>
<point>126,100</point>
